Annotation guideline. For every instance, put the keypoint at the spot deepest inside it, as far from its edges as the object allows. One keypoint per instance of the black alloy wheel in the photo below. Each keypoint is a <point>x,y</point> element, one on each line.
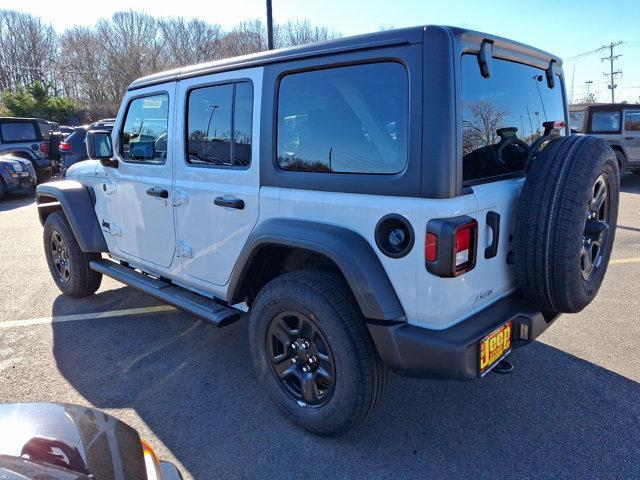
<point>596,228</point>
<point>301,358</point>
<point>60,256</point>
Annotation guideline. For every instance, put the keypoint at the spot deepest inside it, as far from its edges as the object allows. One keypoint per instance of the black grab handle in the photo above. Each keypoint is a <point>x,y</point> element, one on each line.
<point>493,221</point>
<point>229,202</point>
<point>158,192</point>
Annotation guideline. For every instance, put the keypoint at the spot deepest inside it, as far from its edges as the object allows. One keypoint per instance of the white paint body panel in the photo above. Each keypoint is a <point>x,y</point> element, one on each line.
<point>151,228</point>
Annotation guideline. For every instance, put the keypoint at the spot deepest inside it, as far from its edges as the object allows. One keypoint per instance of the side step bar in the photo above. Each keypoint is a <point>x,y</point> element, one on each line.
<point>198,305</point>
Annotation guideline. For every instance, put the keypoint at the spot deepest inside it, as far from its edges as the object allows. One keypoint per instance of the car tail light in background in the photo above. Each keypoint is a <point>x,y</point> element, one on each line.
<point>44,147</point>
<point>64,146</point>
<point>451,246</point>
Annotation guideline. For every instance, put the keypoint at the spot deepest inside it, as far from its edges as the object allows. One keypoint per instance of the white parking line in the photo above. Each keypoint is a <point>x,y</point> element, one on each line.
<point>624,260</point>
<point>85,316</point>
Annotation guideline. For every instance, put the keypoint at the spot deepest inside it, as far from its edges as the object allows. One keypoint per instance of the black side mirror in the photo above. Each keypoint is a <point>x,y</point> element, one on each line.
<point>100,147</point>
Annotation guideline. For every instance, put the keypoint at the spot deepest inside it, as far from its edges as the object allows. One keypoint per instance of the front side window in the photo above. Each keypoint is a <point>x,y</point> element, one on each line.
<point>605,122</point>
<point>632,121</point>
<point>144,137</point>
<point>503,115</point>
<point>219,127</point>
<point>345,120</point>
<point>18,132</point>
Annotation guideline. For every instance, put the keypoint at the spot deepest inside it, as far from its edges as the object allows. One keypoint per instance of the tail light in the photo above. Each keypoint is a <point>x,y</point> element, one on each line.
<point>44,147</point>
<point>451,246</point>
<point>64,146</point>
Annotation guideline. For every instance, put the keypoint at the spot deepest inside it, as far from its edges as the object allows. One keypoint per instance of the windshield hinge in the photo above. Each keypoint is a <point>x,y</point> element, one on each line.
<point>485,57</point>
<point>551,74</point>
<point>180,198</point>
<point>184,250</point>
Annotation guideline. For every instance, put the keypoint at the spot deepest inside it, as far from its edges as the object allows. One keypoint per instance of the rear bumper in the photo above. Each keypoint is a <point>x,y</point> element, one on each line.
<point>453,353</point>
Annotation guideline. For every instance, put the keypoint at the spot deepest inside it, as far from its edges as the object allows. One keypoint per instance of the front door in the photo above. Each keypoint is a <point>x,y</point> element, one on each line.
<point>140,189</point>
<point>631,136</point>
<point>216,179</point>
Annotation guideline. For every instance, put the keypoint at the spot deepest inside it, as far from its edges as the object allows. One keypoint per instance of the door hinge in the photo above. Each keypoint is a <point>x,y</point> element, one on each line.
<point>116,230</point>
<point>180,198</point>
<point>184,250</point>
<point>109,188</point>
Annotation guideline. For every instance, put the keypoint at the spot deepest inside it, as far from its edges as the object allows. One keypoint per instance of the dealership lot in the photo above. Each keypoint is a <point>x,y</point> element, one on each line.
<point>571,408</point>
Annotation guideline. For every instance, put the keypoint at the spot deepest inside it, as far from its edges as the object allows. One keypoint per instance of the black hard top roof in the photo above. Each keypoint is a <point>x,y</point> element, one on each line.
<point>402,36</point>
<point>22,119</point>
<point>602,106</point>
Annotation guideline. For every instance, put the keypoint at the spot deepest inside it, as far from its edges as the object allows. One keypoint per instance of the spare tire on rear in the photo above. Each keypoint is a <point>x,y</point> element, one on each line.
<point>565,223</point>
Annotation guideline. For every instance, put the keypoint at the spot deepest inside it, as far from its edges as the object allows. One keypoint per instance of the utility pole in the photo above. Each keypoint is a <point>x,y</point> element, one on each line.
<point>269,26</point>
<point>612,74</point>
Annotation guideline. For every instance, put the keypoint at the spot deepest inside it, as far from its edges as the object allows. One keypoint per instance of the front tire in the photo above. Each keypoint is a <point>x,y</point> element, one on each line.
<point>313,354</point>
<point>68,264</point>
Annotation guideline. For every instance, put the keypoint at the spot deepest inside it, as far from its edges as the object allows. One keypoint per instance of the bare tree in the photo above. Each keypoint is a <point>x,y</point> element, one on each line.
<point>247,37</point>
<point>480,124</point>
<point>189,42</point>
<point>28,49</point>
<point>301,32</point>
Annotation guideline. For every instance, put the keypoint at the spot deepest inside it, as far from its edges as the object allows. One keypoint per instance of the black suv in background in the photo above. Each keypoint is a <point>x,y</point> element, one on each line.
<point>617,123</point>
<point>29,138</point>
<point>73,148</point>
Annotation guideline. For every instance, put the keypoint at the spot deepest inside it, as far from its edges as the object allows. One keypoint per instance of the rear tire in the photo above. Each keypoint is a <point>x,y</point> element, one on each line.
<point>563,234</point>
<point>319,302</point>
<point>68,264</point>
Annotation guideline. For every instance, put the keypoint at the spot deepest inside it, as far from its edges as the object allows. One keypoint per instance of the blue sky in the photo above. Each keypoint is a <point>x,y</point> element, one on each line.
<point>565,28</point>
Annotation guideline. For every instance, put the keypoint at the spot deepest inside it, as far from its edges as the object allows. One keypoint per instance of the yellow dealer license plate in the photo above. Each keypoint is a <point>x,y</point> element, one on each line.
<point>494,347</point>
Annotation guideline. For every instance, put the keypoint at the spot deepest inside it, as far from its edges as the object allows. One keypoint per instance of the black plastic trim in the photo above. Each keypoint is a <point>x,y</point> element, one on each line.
<point>452,353</point>
<point>493,222</point>
<point>445,231</point>
<point>347,249</point>
<point>78,206</point>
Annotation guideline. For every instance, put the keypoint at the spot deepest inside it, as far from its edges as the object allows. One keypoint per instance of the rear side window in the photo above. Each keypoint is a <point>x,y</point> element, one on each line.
<point>632,121</point>
<point>605,121</point>
<point>76,139</point>
<point>219,120</point>
<point>18,132</point>
<point>345,120</point>
<point>503,115</point>
<point>45,130</point>
<point>144,136</point>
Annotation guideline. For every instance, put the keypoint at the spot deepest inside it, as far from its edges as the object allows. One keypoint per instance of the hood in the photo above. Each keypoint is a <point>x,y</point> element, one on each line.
<point>76,440</point>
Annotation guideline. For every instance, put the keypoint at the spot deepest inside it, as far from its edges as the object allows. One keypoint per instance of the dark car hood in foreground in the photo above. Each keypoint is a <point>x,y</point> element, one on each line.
<point>62,441</point>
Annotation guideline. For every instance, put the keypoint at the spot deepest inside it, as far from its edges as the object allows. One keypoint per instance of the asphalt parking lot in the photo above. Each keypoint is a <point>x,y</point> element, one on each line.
<point>570,409</point>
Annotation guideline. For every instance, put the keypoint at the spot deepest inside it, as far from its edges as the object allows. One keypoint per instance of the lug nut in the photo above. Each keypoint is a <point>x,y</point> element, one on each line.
<point>305,344</point>
<point>305,369</point>
<point>294,345</point>
<point>294,360</point>
<point>312,359</point>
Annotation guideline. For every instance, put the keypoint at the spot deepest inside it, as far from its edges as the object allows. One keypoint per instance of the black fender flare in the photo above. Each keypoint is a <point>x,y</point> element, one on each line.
<point>353,255</point>
<point>77,202</point>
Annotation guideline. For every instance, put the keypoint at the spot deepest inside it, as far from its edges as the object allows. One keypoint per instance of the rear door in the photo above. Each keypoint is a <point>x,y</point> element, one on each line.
<point>502,116</point>
<point>631,135</point>
<point>216,177</point>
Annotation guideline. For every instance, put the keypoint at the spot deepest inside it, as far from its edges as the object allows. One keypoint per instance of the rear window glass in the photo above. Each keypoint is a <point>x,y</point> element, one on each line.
<point>344,120</point>
<point>605,121</point>
<point>18,132</point>
<point>576,120</point>
<point>503,115</point>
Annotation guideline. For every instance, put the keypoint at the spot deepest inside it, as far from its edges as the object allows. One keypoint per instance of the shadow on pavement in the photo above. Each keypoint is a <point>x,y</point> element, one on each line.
<point>193,385</point>
<point>113,299</point>
<point>630,183</point>
<point>12,201</point>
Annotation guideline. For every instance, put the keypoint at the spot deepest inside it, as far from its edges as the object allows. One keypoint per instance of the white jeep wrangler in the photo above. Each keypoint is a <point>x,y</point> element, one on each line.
<point>405,200</point>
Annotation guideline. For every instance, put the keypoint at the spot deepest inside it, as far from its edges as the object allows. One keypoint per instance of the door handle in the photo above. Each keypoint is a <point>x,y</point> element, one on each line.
<point>158,192</point>
<point>629,138</point>
<point>493,221</point>
<point>229,202</point>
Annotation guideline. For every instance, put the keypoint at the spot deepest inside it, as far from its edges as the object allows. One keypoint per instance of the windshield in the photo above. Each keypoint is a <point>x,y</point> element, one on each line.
<point>503,115</point>
<point>576,120</point>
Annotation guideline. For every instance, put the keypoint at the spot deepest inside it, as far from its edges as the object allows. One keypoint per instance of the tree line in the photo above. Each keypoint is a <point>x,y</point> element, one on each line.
<point>92,66</point>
